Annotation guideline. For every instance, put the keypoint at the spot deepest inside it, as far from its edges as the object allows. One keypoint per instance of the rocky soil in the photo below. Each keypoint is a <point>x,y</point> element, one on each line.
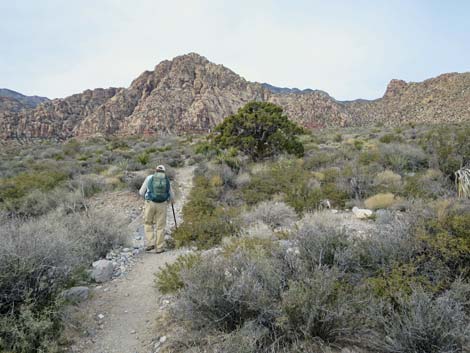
<point>121,314</point>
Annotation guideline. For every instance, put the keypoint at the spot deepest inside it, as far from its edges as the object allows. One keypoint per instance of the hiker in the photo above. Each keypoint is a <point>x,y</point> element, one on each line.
<point>157,192</point>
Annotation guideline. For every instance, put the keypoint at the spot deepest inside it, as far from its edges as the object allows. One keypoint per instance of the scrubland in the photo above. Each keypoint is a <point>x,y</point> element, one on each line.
<point>291,269</point>
<point>280,263</point>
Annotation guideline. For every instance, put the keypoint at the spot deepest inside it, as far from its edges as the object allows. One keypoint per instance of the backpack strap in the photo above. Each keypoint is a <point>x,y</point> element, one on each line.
<point>167,185</point>
<point>149,187</point>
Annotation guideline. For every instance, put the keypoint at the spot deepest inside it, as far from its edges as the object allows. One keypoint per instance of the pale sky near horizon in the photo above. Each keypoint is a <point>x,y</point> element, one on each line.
<point>350,49</point>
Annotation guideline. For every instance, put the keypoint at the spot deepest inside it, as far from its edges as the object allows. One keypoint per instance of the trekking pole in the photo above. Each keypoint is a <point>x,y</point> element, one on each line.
<point>174,216</point>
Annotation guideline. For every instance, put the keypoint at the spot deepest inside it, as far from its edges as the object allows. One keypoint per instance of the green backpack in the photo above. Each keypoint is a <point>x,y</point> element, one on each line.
<point>158,188</point>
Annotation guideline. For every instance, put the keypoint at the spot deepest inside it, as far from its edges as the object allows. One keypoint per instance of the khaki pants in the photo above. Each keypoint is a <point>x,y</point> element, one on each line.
<point>155,214</point>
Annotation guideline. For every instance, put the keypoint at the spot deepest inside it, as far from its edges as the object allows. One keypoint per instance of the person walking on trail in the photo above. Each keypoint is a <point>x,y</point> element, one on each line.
<point>157,192</point>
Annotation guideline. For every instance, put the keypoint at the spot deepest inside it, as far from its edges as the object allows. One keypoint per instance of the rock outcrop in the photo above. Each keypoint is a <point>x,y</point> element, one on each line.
<point>191,94</point>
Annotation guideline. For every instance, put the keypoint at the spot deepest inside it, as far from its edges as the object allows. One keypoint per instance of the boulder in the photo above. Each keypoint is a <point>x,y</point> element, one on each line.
<point>102,271</point>
<point>361,213</point>
<point>76,294</point>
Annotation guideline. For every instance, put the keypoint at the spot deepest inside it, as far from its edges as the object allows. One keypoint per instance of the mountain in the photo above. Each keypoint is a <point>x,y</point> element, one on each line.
<point>192,94</point>
<point>285,90</point>
<point>8,96</point>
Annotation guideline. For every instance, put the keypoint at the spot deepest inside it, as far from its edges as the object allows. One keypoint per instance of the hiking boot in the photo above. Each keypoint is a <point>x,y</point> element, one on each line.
<point>159,251</point>
<point>150,248</point>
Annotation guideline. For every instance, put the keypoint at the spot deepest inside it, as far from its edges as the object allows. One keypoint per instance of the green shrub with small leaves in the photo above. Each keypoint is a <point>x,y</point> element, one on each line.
<point>260,130</point>
<point>168,279</point>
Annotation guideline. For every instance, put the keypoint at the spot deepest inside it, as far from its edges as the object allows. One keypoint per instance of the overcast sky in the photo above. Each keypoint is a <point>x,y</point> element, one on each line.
<point>351,49</point>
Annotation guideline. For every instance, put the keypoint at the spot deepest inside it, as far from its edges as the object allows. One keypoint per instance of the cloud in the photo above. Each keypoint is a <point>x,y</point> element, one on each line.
<point>349,49</point>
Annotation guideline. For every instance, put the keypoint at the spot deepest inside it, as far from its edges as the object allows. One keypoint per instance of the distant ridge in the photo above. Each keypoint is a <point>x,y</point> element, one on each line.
<point>25,101</point>
<point>285,90</point>
<point>191,94</point>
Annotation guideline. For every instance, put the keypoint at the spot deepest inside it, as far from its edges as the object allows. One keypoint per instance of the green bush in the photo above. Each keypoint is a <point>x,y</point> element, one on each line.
<point>169,278</point>
<point>205,222</point>
<point>259,130</point>
<point>30,330</point>
<point>389,138</point>
<point>143,158</point>
<point>30,193</point>
<point>446,235</point>
<point>449,148</point>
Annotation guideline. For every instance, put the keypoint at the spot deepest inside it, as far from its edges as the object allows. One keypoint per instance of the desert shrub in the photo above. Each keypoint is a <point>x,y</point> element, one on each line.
<point>30,330</point>
<point>319,159</point>
<point>259,130</point>
<point>445,231</point>
<point>38,203</point>
<point>389,138</point>
<point>205,221</point>
<point>323,239</point>
<point>384,200</point>
<point>321,242</point>
<point>322,308</point>
<point>258,230</point>
<point>397,281</point>
<point>337,196</point>
<point>423,324</point>
<point>206,231</point>
<point>369,156</point>
<point>223,293</point>
<point>274,214</point>
<point>168,279</point>
<point>90,184</point>
<point>18,186</point>
<point>449,148</point>
<point>38,257</point>
<point>134,181</point>
<point>403,158</point>
<point>428,185</point>
<point>338,138</point>
<point>242,179</point>
<point>71,147</point>
<point>24,194</point>
<point>387,181</point>
<point>143,158</point>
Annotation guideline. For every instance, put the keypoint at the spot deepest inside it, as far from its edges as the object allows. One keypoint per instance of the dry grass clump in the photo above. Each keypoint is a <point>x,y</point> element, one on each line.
<point>380,201</point>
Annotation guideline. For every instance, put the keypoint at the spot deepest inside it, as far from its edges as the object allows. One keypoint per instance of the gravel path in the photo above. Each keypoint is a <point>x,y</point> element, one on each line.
<point>120,317</point>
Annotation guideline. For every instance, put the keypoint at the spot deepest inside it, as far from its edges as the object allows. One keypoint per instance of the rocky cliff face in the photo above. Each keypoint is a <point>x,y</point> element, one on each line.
<point>189,93</point>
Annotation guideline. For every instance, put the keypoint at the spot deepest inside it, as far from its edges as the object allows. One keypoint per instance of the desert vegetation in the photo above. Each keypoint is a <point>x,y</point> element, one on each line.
<point>280,263</point>
<point>294,270</point>
<point>50,231</point>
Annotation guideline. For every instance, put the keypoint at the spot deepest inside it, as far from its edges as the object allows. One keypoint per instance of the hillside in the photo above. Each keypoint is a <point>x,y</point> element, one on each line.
<point>190,93</point>
<point>25,101</point>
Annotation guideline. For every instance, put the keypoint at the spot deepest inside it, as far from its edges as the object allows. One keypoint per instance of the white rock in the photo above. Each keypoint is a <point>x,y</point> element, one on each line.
<point>361,213</point>
<point>162,339</point>
<point>100,316</point>
<point>102,271</point>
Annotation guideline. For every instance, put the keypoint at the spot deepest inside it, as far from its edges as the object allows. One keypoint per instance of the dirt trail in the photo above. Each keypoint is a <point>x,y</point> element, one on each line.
<point>120,317</point>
